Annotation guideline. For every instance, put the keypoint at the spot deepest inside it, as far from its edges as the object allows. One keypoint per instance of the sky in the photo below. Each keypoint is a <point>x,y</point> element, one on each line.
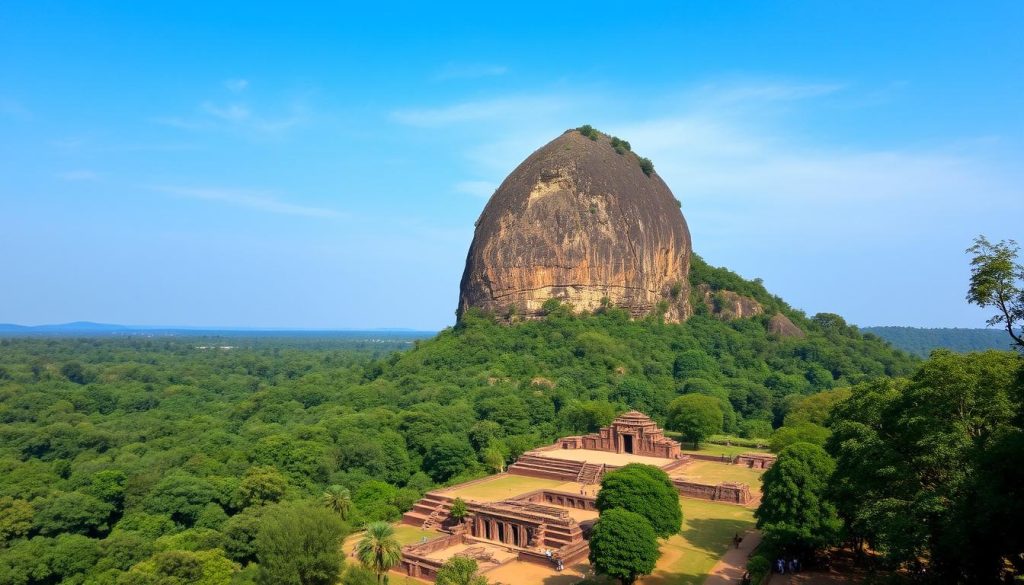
<point>237,164</point>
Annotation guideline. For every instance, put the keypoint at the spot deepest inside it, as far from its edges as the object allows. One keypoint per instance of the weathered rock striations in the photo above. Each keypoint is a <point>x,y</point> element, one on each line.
<point>579,222</point>
<point>781,325</point>
<point>727,305</point>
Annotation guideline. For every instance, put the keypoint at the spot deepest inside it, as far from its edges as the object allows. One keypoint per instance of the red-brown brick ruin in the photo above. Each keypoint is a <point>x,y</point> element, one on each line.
<point>538,526</point>
<point>633,432</point>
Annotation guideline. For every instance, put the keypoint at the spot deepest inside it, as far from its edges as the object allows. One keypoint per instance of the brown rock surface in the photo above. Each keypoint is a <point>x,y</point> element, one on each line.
<point>728,305</point>
<point>579,222</point>
<point>780,325</point>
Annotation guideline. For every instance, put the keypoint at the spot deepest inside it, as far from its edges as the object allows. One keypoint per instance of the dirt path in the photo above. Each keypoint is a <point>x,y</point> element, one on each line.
<point>729,569</point>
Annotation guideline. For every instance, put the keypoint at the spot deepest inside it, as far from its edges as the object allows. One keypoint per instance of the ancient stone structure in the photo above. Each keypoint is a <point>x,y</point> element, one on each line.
<point>633,432</point>
<point>579,222</point>
<point>732,493</point>
<point>525,528</point>
<point>541,526</point>
<point>756,460</point>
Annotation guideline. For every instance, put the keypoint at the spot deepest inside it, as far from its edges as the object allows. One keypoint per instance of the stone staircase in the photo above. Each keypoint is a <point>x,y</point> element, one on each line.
<point>430,511</point>
<point>546,468</point>
<point>677,464</point>
<point>432,519</point>
<point>591,473</point>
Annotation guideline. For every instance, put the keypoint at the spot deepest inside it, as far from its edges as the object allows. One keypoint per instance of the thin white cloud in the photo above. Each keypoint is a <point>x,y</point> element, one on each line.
<point>469,71</point>
<point>502,109</point>
<point>766,91</point>
<point>228,112</point>
<point>475,188</point>
<point>80,175</point>
<point>258,200</point>
<point>238,115</point>
<point>14,109</point>
<point>236,85</point>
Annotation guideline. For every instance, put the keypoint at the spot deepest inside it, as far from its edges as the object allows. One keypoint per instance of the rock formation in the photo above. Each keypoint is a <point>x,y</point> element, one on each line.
<point>780,325</point>
<point>580,221</point>
<point>727,305</point>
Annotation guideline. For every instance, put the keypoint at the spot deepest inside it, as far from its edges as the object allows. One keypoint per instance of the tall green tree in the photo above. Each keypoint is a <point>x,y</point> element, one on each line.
<point>795,513</point>
<point>378,550</point>
<point>645,490</point>
<point>299,544</point>
<point>623,545</point>
<point>924,465</point>
<point>459,510</point>
<point>262,484</point>
<point>696,416</point>
<point>339,500</point>
<point>460,570</point>
<point>15,518</point>
<point>997,281</point>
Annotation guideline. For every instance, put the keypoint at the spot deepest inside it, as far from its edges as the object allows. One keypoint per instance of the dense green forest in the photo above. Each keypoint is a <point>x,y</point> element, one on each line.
<point>123,460</point>
<point>922,341</point>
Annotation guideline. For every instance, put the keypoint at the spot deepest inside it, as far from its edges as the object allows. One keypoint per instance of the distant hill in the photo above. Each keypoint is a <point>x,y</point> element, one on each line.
<point>69,328</point>
<point>921,341</point>
<point>89,329</point>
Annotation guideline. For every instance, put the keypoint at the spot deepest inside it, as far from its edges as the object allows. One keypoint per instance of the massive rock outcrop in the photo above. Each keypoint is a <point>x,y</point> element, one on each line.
<point>580,221</point>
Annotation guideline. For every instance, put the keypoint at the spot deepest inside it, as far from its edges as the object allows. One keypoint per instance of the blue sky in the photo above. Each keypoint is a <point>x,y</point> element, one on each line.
<point>235,164</point>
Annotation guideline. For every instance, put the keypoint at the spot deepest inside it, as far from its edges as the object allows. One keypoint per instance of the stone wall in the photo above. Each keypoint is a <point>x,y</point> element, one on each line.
<point>563,499</point>
<point>756,460</point>
<point>732,493</point>
<point>415,562</point>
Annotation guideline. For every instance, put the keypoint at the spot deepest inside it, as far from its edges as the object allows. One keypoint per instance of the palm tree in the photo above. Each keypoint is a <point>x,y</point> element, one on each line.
<point>338,499</point>
<point>378,550</point>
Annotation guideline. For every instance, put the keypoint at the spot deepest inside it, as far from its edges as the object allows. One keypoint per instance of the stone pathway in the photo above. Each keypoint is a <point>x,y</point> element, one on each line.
<point>729,569</point>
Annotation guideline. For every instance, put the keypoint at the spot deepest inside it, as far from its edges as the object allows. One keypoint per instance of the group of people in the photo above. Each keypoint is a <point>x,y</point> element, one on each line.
<point>557,562</point>
<point>782,566</point>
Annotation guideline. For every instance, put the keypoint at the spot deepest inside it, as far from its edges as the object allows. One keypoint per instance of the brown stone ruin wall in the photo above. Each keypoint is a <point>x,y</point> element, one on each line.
<point>755,461</point>
<point>731,493</point>
<point>434,545</point>
<point>715,458</point>
<point>414,561</point>
<point>563,499</point>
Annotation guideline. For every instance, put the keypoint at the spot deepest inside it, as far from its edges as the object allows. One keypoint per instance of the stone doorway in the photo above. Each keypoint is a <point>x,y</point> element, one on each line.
<point>627,443</point>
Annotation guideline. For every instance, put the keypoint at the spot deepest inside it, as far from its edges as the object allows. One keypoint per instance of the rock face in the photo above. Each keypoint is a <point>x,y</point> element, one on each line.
<point>727,305</point>
<point>780,325</point>
<point>579,222</point>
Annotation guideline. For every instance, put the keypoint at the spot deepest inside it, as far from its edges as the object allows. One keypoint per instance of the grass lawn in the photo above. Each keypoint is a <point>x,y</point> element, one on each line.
<point>404,534</point>
<point>707,533</point>
<point>711,472</point>
<point>718,450</point>
<point>502,487</point>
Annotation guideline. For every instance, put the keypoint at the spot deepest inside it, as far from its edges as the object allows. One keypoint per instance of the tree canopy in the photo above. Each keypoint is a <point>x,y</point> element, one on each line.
<point>795,512</point>
<point>623,545</point>
<point>645,490</point>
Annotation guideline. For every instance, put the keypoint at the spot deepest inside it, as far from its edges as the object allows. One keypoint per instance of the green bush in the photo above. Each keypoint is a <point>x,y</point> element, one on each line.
<point>588,131</point>
<point>646,165</point>
<point>738,441</point>
<point>758,567</point>
<point>621,146</point>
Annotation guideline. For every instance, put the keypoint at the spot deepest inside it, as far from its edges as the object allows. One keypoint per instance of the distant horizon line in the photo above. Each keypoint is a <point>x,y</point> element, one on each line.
<point>96,326</point>
<point>113,327</point>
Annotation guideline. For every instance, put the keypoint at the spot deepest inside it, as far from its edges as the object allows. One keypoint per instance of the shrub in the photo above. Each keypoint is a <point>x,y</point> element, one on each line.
<point>588,131</point>
<point>550,306</point>
<point>758,566</point>
<point>647,166</point>
<point>620,145</point>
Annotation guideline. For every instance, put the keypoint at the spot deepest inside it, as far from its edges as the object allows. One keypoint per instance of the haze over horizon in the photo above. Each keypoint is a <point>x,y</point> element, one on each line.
<point>225,166</point>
